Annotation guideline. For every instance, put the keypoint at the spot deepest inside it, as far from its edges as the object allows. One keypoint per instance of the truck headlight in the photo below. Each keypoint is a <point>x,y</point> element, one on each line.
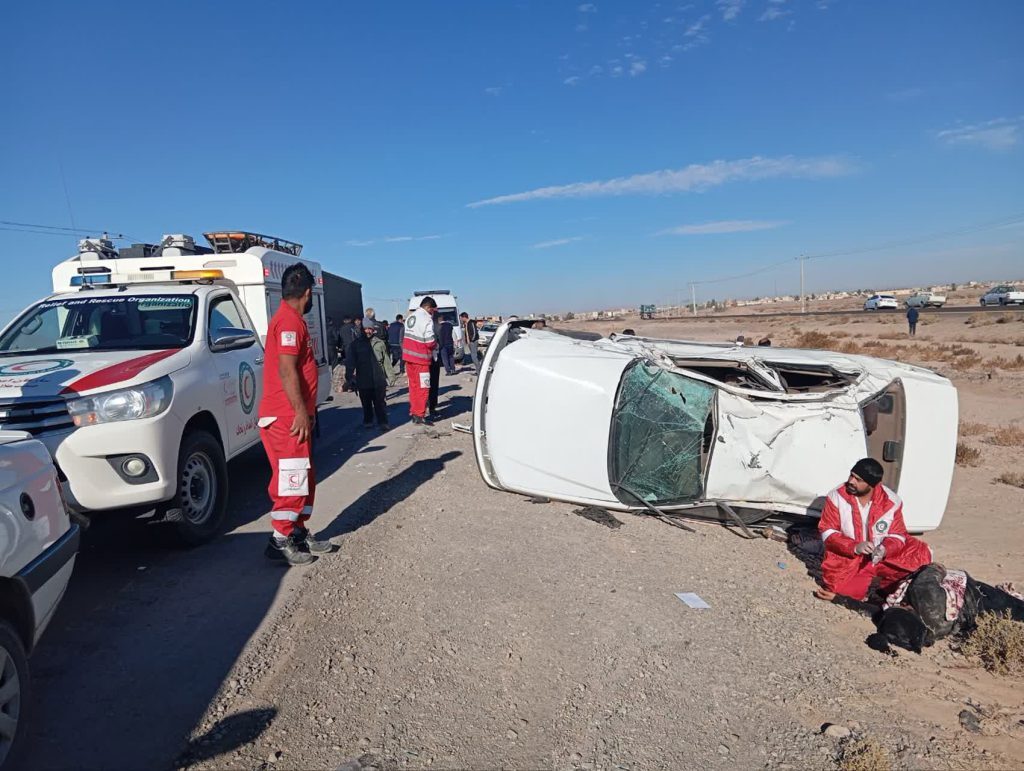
<point>142,401</point>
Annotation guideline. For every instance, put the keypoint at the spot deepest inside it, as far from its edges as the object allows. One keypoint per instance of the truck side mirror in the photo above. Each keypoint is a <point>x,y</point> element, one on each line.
<point>232,339</point>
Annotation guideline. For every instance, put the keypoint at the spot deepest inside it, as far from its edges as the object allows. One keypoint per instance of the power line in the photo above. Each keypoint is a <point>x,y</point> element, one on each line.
<point>977,228</point>
<point>57,230</point>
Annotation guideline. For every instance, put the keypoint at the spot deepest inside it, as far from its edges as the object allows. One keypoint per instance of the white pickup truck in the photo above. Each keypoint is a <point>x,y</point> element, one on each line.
<point>926,300</point>
<point>142,375</point>
<point>38,544</point>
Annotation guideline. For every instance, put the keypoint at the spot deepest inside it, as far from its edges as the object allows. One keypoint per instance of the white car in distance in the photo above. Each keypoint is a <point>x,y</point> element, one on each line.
<point>926,300</point>
<point>879,302</point>
<point>1004,294</point>
<point>487,333</point>
<point>38,544</point>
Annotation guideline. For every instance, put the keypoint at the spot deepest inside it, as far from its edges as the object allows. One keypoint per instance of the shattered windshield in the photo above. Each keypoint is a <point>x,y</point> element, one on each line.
<point>661,429</point>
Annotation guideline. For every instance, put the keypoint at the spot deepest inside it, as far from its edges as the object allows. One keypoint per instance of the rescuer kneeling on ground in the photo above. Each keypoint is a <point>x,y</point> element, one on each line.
<point>865,537</point>
<point>286,417</point>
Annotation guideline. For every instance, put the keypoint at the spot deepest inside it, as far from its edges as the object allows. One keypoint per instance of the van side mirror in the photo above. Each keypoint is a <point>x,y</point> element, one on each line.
<point>232,339</point>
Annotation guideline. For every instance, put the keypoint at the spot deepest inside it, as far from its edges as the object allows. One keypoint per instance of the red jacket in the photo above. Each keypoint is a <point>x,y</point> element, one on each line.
<point>842,527</point>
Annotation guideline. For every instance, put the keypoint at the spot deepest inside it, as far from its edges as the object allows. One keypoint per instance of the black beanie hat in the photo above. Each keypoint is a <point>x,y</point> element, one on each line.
<point>868,469</point>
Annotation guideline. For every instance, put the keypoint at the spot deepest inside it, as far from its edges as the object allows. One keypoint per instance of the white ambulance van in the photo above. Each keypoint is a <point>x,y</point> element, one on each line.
<point>142,374</point>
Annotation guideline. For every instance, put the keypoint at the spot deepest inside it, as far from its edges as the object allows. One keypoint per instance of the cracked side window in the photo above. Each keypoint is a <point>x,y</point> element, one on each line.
<point>660,433</point>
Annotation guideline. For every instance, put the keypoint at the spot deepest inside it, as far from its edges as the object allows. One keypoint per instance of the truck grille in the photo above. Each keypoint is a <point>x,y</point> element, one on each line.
<point>36,417</point>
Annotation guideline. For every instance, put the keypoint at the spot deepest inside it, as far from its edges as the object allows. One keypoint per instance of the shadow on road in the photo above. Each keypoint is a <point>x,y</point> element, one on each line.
<point>383,495</point>
<point>147,634</point>
<point>228,734</point>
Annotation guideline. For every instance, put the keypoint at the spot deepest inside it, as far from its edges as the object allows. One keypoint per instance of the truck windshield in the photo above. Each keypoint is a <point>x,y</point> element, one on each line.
<point>128,322</point>
<point>661,432</point>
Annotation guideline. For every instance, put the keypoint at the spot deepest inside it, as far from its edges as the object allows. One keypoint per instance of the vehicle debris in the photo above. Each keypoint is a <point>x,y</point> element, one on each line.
<point>692,600</point>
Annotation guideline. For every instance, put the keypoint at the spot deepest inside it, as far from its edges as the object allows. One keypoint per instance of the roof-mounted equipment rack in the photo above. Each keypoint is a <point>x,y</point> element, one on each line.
<point>238,241</point>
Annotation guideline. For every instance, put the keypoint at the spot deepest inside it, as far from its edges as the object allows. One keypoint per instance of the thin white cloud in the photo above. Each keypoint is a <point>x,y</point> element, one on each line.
<point>391,240</point>
<point>637,68</point>
<point>773,13</point>
<point>697,28</point>
<point>730,8</point>
<point>556,242</point>
<point>572,80</point>
<point>722,226</point>
<point>493,90</point>
<point>998,134</point>
<point>693,178</point>
<point>587,8</point>
<point>905,94</point>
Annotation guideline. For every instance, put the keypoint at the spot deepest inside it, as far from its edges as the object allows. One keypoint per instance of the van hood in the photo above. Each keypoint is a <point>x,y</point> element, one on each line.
<point>68,373</point>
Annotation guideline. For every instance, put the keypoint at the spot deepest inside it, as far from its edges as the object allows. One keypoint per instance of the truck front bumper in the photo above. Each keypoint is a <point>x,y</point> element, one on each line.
<point>89,458</point>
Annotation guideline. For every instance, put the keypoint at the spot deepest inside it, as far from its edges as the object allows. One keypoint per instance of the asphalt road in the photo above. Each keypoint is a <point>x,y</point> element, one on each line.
<point>146,633</point>
<point>954,309</point>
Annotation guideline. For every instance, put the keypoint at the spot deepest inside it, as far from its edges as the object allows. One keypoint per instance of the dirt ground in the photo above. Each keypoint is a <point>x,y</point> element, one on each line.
<point>459,627</point>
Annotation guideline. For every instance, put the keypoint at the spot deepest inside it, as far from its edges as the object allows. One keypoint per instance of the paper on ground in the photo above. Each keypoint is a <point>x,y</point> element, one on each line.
<point>692,600</point>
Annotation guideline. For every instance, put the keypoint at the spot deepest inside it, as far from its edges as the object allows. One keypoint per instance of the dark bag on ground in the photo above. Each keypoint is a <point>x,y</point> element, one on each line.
<point>921,620</point>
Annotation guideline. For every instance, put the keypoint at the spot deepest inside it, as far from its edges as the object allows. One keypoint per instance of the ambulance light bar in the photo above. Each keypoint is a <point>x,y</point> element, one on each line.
<point>193,275</point>
<point>107,278</point>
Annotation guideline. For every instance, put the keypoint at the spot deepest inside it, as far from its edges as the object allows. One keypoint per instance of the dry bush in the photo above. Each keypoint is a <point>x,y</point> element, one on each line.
<point>864,755</point>
<point>873,344</point>
<point>1013,478</point>
<point>967,455</point>
<point>1002,363</point>
<point>971,428</point>
<point>1007,436</point>
<point>813,339</point>
<point>998,643</point>
<point>891,336</point>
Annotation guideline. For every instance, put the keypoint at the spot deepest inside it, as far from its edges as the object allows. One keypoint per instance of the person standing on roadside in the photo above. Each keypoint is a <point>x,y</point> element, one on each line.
<point>286,415</point>
<point>446,345</point>
<point>373,373</point>
<point>913,314</point>
<point>472,335</point>
<point>419,351</point>
<point>395,334</point>
<point>371,316</point>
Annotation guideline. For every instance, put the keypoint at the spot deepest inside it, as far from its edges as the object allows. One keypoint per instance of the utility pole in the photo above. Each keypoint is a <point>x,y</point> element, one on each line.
<point>693,297</point>
<point>803,301</point>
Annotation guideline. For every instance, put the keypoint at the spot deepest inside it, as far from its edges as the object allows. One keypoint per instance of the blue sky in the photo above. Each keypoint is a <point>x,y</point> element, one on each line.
<point>534,156</point>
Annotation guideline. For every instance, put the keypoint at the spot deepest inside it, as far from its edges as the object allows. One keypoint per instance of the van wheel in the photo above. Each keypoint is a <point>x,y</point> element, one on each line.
<point>202,500</point>
<point>15,694</point>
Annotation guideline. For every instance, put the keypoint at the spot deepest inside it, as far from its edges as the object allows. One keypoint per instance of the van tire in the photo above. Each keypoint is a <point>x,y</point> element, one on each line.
<point>14,675</point>
<point>201,502</point>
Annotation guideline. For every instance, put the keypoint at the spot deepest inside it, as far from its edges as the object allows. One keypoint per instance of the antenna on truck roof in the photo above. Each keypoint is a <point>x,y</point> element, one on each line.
<point>237,241</point>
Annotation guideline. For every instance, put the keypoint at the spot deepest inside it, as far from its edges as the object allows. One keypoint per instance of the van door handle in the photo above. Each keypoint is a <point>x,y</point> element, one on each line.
<point>259,359</point>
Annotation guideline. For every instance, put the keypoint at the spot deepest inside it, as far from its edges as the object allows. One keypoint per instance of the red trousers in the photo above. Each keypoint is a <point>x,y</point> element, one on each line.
<point>419,387</point>
<point>852,576</point>
<point>292,477</point>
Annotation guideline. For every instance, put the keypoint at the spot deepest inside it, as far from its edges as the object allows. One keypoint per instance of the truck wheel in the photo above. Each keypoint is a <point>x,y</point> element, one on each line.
<point>202,499</point>
<point>15,695</point>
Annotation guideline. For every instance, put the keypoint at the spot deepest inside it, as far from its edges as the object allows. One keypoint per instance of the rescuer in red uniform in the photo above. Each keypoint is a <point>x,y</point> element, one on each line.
<point>419,349</point>
<point>286,417</point>
<point>865,537</point>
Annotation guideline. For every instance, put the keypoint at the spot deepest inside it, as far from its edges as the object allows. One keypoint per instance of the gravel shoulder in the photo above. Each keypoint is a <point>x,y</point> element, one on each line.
<point>459,627</point>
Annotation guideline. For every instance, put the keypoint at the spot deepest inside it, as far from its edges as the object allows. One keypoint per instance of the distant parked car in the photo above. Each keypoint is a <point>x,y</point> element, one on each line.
<point>926,300</point>
<point>38,544</point>
<point>878,302</point>
<point>486,333</point>
<point>1004,294</point>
